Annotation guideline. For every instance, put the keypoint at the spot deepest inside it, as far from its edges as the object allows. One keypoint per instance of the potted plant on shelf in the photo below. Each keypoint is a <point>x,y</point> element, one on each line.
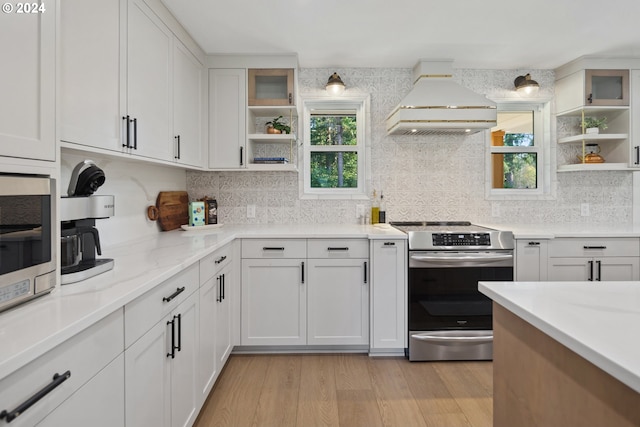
<point>276,126</point>
<point>594,124</point>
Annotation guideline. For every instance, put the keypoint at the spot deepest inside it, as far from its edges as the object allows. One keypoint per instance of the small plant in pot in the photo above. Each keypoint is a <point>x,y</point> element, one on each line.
<point>276,126</point>
<point>594,124</point>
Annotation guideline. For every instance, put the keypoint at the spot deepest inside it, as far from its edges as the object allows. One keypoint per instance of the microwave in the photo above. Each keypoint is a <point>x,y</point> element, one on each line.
<point>27,238</point>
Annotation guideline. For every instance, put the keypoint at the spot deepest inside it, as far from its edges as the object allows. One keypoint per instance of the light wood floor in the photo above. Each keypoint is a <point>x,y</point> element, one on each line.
<point>349,390</point>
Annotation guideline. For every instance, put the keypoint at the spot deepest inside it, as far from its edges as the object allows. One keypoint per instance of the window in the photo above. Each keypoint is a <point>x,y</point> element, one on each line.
<point>518,162</point>
<point>334,147</point>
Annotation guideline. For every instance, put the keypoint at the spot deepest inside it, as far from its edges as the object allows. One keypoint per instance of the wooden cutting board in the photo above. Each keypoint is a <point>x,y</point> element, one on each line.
<point>171,210</point>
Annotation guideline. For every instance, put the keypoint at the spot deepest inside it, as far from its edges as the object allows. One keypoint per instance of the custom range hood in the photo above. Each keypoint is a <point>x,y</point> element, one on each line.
<point>438,106</point>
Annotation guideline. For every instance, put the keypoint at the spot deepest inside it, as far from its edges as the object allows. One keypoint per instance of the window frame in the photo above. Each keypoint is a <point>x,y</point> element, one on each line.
<point>542,148</point>
<point>359,104</point>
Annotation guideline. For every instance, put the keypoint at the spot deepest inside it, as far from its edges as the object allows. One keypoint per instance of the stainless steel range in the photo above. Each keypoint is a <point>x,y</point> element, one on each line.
<point>449,319</point>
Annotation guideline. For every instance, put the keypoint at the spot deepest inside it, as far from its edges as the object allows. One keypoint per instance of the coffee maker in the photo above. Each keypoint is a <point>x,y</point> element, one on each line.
<point>80,240</point>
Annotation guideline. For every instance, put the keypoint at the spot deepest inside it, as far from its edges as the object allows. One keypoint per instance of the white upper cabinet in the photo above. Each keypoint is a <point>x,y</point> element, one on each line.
<point>92,90</point>
<point>227,117</point>
<point>27,113</point>
<point>127,82</point>
<point>187,99</point>
<point>149,46</point>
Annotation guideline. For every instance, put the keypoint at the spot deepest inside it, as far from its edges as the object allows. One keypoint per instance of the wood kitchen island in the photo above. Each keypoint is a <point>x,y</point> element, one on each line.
<point>566,353</point>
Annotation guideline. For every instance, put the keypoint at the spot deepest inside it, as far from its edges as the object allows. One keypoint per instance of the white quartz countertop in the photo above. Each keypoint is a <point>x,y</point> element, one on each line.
<point>31,329</point>
<point>597,320</point>
<point>550,231</point>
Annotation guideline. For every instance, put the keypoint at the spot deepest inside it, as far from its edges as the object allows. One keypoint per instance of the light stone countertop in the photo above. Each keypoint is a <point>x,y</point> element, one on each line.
<point>550,231</point>
<point>31,329</point>
<point>597,320</point>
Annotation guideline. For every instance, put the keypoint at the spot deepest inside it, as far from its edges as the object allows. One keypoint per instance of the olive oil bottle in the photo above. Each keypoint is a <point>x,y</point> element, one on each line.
<point>375,208</point>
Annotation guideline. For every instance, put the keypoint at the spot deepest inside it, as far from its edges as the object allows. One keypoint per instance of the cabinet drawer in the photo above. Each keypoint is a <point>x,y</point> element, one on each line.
<point>594,247</point>
<point>83,355</point>
<point>146,310</point>
<point>212,264</point>
<point>274,248</point>
<point>338,248</point>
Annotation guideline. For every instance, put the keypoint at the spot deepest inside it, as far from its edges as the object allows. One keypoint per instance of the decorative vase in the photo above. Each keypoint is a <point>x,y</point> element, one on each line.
<point>592,130</point>
<point>271,129</point>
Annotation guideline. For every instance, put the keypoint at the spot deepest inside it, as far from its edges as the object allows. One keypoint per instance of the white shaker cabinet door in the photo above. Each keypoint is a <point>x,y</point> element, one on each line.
<point>27,110</point>
<point>187,100</point>
<point>274,302</point>
<point>91,71</point>
<point>338,302</point>
<point>224,322</point>
<point>149,82</point>
<point>227,118</point>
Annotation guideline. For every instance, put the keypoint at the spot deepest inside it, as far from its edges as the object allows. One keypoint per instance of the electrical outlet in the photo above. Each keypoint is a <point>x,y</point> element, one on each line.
<point>359,211</point>
<point>584,209</point>
<point>495,209</point>
<point>251,211</point>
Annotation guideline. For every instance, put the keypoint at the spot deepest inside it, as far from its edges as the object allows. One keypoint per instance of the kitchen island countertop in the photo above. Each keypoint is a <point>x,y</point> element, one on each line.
<point>31,329</point>
<point>596,320</point>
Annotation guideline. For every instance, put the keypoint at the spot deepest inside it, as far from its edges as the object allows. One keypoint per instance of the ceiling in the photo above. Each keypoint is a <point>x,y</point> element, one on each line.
<point>490,34</point>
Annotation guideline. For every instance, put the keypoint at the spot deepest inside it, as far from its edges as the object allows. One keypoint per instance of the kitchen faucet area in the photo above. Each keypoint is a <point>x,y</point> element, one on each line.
<point>295,214</point>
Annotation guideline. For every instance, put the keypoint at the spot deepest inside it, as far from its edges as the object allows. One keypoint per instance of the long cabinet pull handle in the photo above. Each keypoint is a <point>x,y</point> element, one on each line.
<point>177,150</point>
<point>179,317</point>
<point>594,247</point>
<point>534,243</point>
<point>219,295</point>
<point>590,271</point>
<point>599,270</point>
<point>223,286</point>
<point>173,295</point>
<point>346,248</point>
<point>135,134</point>
<point>128,131</point>
<point>219,260</point>
<point>178,146</point>
<point>270,248</point>
<point>172,353</point>
<point>389,243</point>
<point>303,272</point>
<point>365,272</point>
<point>57,380</point>
<point>241,156</point>
<point>637,148</point>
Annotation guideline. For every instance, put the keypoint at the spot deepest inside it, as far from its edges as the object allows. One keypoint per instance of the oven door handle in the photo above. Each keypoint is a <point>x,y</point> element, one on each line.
<point>466,258</point>
<point>454,340</point>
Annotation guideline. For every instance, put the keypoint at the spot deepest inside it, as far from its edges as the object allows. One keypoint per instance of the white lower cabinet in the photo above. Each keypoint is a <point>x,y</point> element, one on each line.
<point>216,322</point>
<point>289,299</point>
<point>274,302</point>
<point>98,403</point>
<point>338,292</point>
<point>388,296</point>
<point>594,259</point>
<point>81,380</point>
<point>531,260</point>
<point>161,367</point>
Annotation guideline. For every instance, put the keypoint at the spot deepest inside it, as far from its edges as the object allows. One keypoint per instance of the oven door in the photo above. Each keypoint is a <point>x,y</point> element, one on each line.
<point>443,288</point>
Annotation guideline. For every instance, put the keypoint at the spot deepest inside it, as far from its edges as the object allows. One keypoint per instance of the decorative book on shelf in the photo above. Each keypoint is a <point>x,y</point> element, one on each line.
<point>270,160</point>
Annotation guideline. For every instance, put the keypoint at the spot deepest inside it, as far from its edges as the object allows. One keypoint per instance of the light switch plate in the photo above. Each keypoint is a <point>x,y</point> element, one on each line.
<point>251,211</point>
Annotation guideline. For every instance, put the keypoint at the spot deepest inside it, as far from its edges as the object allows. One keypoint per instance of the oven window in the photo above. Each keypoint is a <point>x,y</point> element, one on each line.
<point>448,298</point>
<point>25,231</point>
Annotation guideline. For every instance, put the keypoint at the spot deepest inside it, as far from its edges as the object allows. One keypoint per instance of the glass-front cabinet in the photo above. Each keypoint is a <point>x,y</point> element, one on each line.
<point>606,87</point>
<point>271,87</point>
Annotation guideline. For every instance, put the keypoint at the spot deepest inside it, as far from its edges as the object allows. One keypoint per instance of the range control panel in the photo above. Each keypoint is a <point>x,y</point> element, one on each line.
<point>461,239</point>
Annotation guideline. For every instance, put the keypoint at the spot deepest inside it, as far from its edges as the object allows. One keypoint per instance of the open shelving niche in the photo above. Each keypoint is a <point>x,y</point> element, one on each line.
<point>614,145</point>
<point>262,144</point>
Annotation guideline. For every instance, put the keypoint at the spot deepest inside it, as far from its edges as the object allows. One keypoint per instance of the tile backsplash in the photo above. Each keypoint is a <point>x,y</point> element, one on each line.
<point>434,178</point>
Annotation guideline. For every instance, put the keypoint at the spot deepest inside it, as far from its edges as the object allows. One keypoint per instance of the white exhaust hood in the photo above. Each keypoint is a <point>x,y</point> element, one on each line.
<point>438,106</point>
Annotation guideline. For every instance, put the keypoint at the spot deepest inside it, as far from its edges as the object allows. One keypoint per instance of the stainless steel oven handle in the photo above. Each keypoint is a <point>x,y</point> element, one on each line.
<point>470,257</point>
<point>479,339</point>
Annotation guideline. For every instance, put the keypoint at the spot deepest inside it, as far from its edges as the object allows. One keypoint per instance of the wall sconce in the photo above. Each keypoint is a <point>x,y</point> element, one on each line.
<point>335,85</point>
<point>525,85</point>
